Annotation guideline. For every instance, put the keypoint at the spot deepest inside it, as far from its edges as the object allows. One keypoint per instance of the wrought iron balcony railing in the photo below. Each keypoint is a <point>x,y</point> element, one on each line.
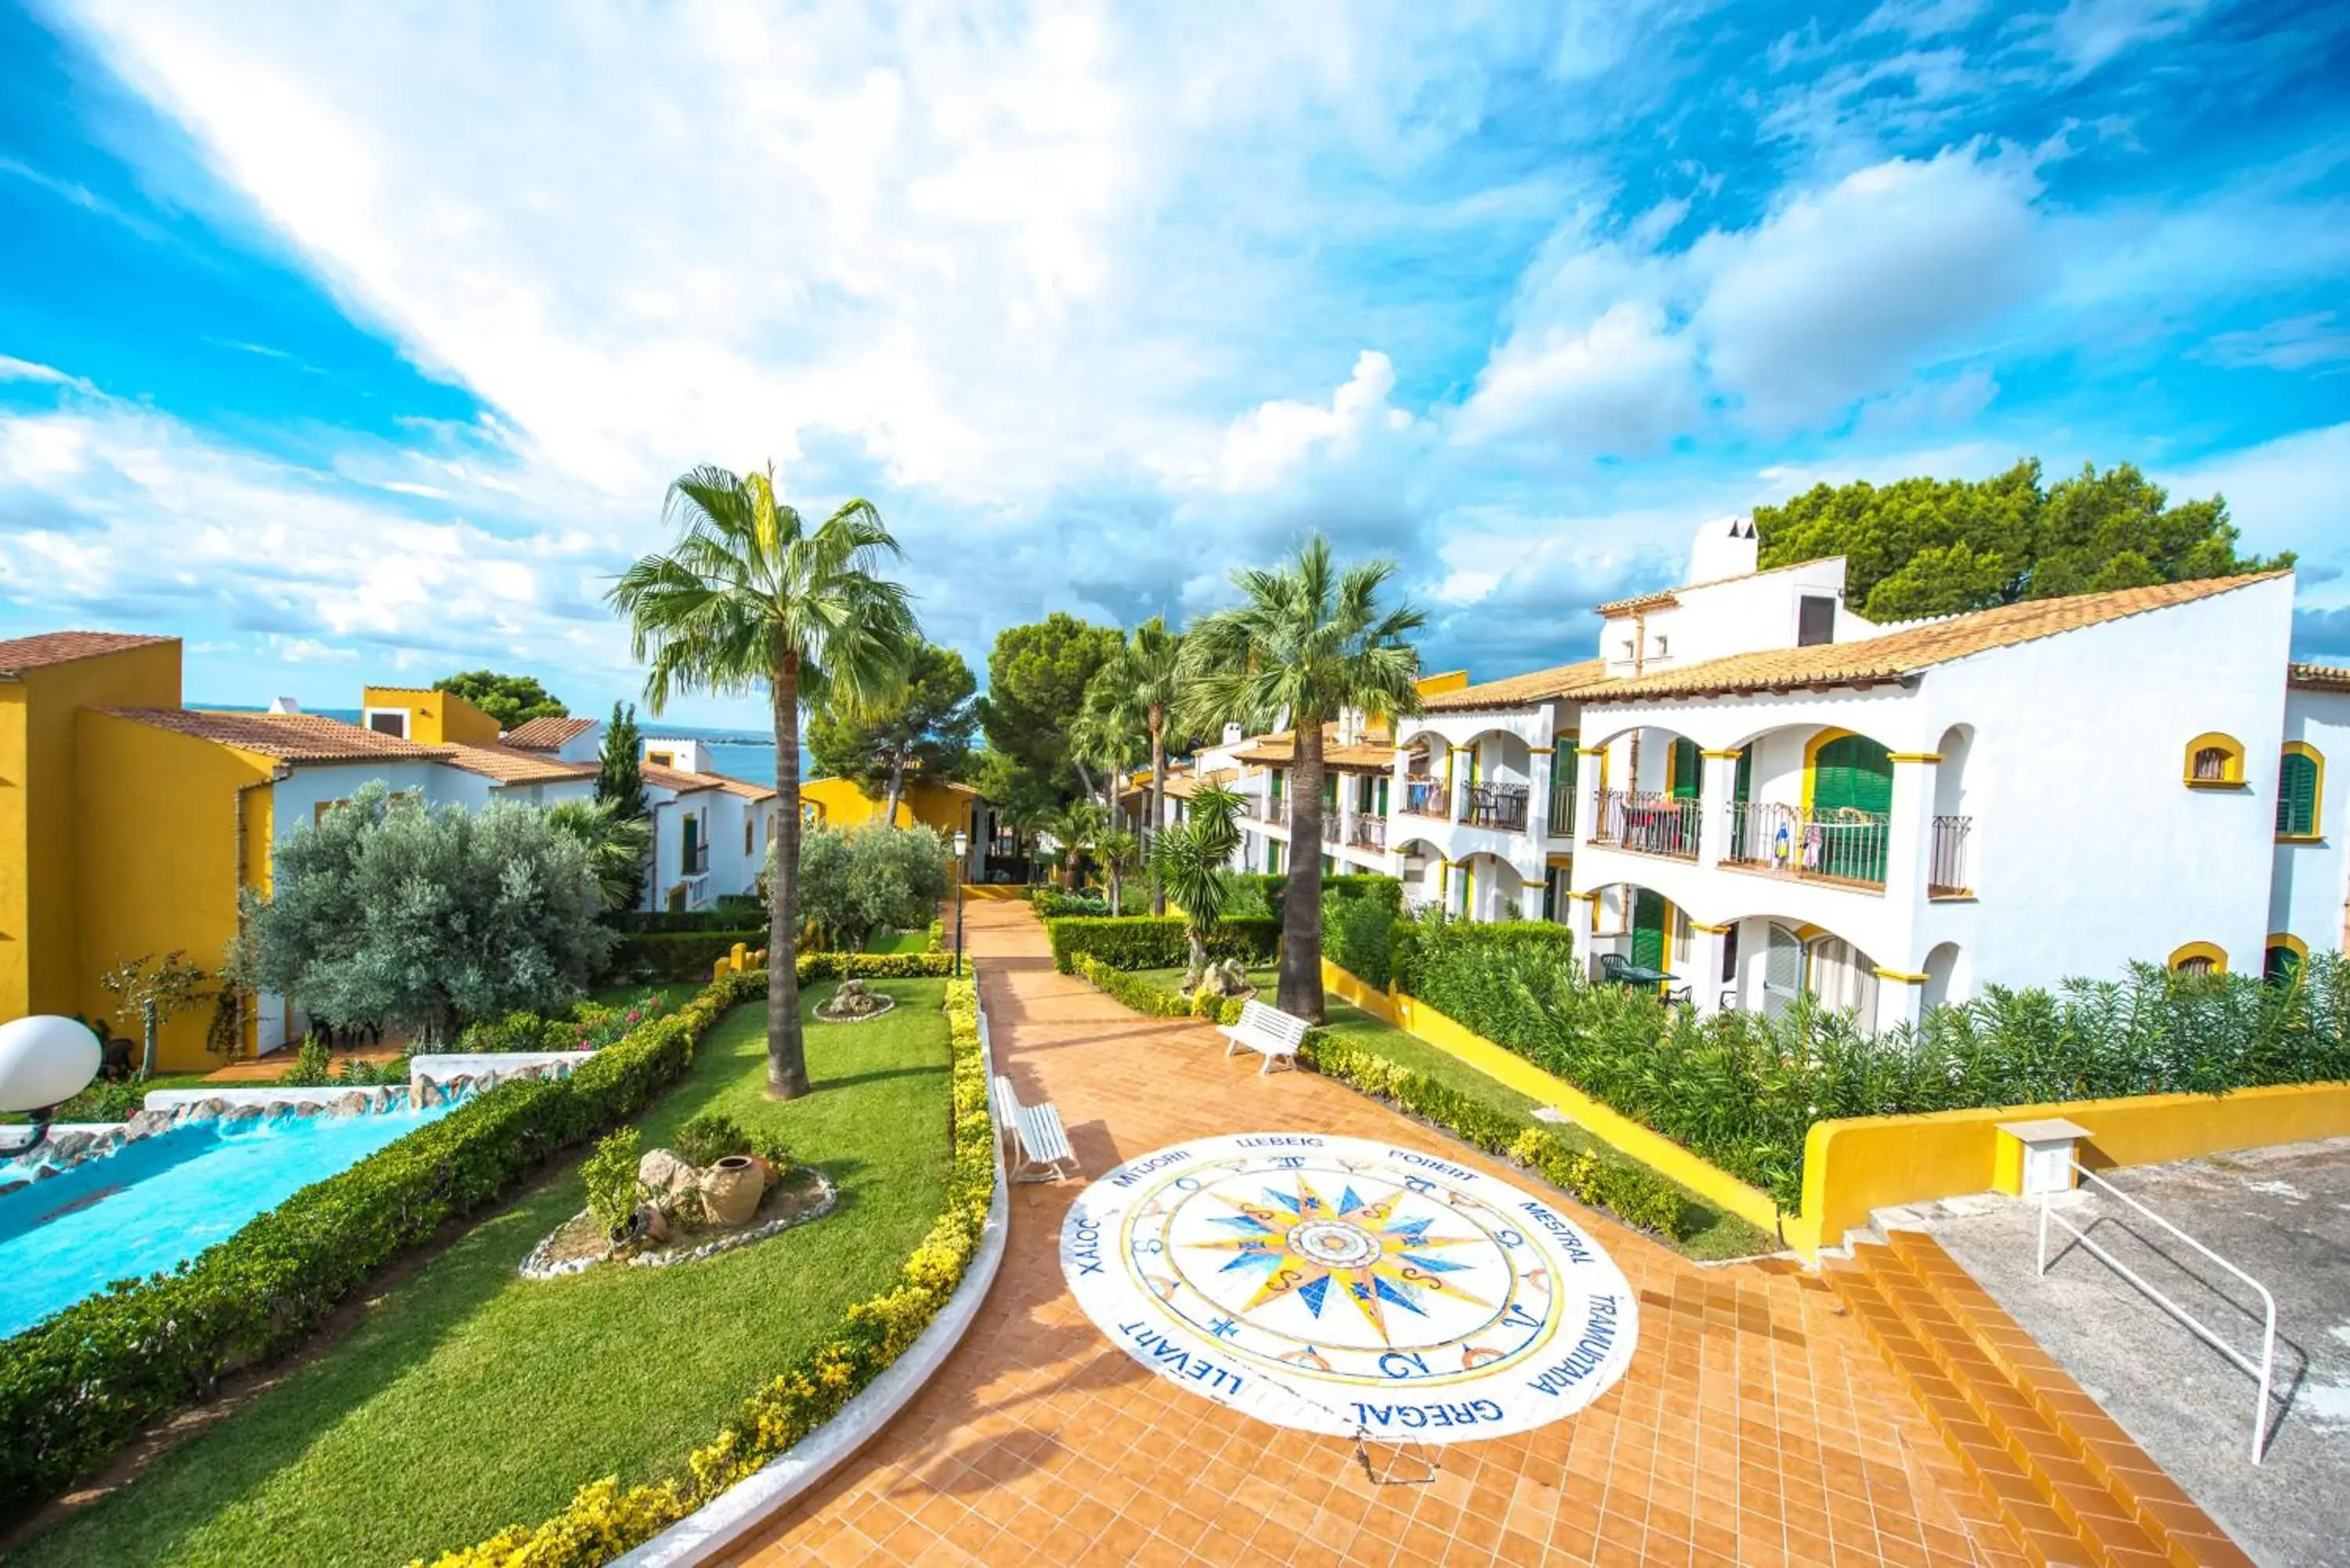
<point>1649,823</point>
<point>1370,833</point>
<point>1562,808</point>
<point>1499,807</point>
<point>1948,874</point>
<point>1843,845</point>
<point>1425,798</point>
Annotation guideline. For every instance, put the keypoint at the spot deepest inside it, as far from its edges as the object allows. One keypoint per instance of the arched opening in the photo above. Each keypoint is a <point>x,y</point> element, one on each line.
<point>1639,937</point>
<point>1651,781</point>
<point>2198,958</point>
<point>1427,765</point>
<point>1490,890</point>
<point>1949,868</point>
<point>2215,761</point>
<point>1811,803</point>
<point>1771,961</point>
<point>1948,978</point>
<point>2281,961</point>
<point>1421,868</point>
<point>1493,781</point>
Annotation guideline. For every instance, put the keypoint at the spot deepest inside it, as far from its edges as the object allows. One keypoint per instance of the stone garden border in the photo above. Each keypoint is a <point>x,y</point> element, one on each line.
<point>535,1266</point>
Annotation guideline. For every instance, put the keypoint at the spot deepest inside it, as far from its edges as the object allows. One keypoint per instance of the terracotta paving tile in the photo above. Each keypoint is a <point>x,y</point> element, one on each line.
<point>1758,1423</point>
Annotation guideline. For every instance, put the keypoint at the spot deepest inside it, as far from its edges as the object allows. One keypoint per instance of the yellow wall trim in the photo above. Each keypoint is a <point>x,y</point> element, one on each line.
<point>1591,751</point>
<point>2287,941</point>
<point>1913,756</point>
<point>1733,752</point>
<point>2231,772</point>
<point>2189,952</point>
<point>1709,930</point>
<point>1540,750</point>
<point>1902,975</point>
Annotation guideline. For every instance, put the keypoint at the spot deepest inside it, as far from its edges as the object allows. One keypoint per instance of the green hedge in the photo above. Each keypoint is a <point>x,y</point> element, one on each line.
<point>726,916</point>
<point>654,957</point>
<point>76,1387</point>
<point>1259,892</point>
<point>1359,935</point>
<point>1742,1089</point>
<point>1632,1192</point>
<point>1155,941</point>
<point>1422,949</point>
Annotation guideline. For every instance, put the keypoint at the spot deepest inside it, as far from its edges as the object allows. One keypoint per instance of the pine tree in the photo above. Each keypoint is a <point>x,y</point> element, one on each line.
<point>619,775</point>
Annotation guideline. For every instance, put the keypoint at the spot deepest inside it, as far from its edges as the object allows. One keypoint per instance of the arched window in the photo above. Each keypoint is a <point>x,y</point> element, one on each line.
<point>2280,964</point>
<point>2199,958</point>
<point>2301,782</point>
<point>2215,761</point>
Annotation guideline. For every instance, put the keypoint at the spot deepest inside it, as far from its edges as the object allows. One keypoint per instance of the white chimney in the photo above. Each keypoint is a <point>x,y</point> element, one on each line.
<point>1725,547</point>
<point>283,705</point>
<point>1232,731</point>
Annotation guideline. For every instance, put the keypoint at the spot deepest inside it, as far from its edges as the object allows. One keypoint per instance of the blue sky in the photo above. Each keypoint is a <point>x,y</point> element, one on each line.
<point>357,343</point>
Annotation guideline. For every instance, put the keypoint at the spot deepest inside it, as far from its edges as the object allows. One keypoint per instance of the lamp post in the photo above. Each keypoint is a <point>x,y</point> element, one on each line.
<point>962,848</point>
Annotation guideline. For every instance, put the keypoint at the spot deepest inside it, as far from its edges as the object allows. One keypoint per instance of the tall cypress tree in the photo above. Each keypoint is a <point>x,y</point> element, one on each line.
<point>620,779</point>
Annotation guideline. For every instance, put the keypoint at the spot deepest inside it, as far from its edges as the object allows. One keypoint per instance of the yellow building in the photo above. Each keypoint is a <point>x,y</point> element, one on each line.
<point>129,825</point>
<point>950,808</point>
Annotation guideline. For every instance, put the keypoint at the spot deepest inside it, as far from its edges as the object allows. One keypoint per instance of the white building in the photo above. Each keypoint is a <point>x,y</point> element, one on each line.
<point>1756,792</point>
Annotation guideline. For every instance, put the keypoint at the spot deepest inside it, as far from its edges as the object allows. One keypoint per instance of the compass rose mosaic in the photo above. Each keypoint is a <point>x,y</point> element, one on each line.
<point>1341,1285</point>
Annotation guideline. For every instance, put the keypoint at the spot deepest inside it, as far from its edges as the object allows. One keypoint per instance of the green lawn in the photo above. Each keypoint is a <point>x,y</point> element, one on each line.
<point>468,1400</point>
<point>900,942</point>
<point>1714,1234</point>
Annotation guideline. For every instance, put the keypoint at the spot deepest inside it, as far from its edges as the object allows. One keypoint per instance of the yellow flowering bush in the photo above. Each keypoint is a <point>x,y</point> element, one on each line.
<point>602,1521</point>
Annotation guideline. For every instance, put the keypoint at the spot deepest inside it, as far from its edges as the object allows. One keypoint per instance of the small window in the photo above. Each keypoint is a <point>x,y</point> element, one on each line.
<point>2199,958</point>
<point>1662,644</point>
<point>1814,620</point>
<point>388,722</point>
<point>750,827</point>
<point>2281,963</point>
<point>2300,775</point>
<point>2215,761</point>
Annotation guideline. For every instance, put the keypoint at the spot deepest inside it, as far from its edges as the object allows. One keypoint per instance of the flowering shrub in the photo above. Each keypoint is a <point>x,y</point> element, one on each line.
<point>603,1520</point>
<point>583,1026</point>
<point>78,1386</point>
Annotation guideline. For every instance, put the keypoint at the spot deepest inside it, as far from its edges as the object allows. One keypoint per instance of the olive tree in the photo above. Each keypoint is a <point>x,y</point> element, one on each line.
<point>858,880</point>
<point>424,918</point>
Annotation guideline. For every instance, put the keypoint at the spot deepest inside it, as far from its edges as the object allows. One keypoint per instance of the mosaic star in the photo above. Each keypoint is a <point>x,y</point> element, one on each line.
<point>1302,1244</point>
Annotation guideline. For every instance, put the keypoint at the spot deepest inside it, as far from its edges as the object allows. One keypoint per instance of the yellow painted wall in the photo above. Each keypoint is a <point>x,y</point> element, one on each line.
<point>42,786</point>
<point>157,843</point>
<point>1853,1167</point>
<point>436,718</point>
<point>840,804</point>
<point>1437,685</point>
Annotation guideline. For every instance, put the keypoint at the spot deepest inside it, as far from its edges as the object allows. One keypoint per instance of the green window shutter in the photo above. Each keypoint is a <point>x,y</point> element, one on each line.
<point>1276,784</point>
<point>2297,815</point>
<point>1647,928</point>
<point>1852,773</point>
<point>1741,788</point>
<point>1688,769</point>
<point>2282,965</point>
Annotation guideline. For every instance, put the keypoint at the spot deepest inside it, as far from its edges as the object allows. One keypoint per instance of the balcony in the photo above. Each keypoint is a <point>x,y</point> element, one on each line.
<point>1262,808</point>
<point>1649,824</point>
<point>696,859</point>
<point>1844,846</point>
<point>1562,808</point>
<point>1502,807</point>
<point>1329,825</point>
<point>1370,833</point>
<point>1424,796</point>
<point>1948,874</point>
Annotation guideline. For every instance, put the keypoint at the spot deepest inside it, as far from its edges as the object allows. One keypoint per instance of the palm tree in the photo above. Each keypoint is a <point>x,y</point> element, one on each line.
<point>1306,642</point>
<point>617,845</point>
<point>752,595</point>
<point>1074,827</point>
<point>1116,852</point>
<point>1189,861</point>
<point>1141,683</point>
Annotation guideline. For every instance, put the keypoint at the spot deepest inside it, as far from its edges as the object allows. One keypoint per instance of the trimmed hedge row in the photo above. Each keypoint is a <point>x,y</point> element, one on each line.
<point>76,1387</point>
<point>602,1521</point>
<point>1422,949</point>
<point>1155,941</point>
<point>1259,892</point>
<point>688,955</point>
<point>1633,1193</point>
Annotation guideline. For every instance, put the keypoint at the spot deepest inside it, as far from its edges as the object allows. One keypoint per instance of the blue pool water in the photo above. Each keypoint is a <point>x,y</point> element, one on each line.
<point>154,1203</point>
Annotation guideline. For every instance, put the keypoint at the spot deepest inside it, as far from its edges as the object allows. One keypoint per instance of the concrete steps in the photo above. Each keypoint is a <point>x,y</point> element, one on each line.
<point>2065,1480</point>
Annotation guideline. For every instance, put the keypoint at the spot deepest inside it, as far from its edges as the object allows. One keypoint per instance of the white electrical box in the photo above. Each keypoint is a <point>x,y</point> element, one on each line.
<point>2049,1147</point>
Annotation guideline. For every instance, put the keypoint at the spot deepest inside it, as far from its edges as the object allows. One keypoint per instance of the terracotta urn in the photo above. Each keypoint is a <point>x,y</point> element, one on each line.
<point>731,1190</point>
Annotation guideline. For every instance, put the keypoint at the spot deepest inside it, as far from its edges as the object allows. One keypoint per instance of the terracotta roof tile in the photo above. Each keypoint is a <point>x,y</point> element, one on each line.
<point>546,734</point>
<point>22,653</point>
<point>1660,598</point>
<point>1523,691</point>
<point>1899,653</point>
<point>1362,756</point>
<point>680,782</point>
<point>288,737</point>
<point>2318,677</point>
<point>509,765</point>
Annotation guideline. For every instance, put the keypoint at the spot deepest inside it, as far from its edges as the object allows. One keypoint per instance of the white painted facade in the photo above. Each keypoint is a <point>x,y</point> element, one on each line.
<point>2040,819</point>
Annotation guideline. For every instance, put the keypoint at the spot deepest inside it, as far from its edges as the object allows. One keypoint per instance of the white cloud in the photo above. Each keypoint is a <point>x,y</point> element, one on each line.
<point>1276,441</point>
<point>2284,494</point>
<point>2295,343</point>
<point>2088,33</point>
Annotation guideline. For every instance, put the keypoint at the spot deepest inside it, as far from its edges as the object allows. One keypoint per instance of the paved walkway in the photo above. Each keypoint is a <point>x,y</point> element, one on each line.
<point>1757,1425</point>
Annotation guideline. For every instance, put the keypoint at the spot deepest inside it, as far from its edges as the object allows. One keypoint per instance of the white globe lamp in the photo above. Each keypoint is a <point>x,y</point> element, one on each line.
<point>45,1060</point>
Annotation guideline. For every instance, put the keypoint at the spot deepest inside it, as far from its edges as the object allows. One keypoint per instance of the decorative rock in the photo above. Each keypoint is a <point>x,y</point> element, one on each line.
<point>147,1124</point>
<point>245,1113</point>
<point>426,1094</point>
<point>665,1176</point>
<point>68,1147</point>
<point>352,1104</point>
<point>8,1187</point>
<point>1227,979</point>
<point>305,1108</point>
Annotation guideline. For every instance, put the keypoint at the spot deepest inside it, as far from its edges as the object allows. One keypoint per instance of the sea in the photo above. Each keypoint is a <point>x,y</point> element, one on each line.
<point>737,754</point>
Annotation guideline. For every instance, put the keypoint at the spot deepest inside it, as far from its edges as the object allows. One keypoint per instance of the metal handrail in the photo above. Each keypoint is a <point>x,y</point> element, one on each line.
<point>2265,1372</point>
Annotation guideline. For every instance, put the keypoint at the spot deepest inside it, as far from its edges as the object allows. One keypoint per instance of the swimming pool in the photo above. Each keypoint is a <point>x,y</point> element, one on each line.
<point>156,1202</point>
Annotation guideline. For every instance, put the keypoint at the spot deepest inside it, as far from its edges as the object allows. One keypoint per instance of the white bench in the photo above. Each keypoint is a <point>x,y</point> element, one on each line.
<point>1039,1143</point>
<point>1269,1031</point>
